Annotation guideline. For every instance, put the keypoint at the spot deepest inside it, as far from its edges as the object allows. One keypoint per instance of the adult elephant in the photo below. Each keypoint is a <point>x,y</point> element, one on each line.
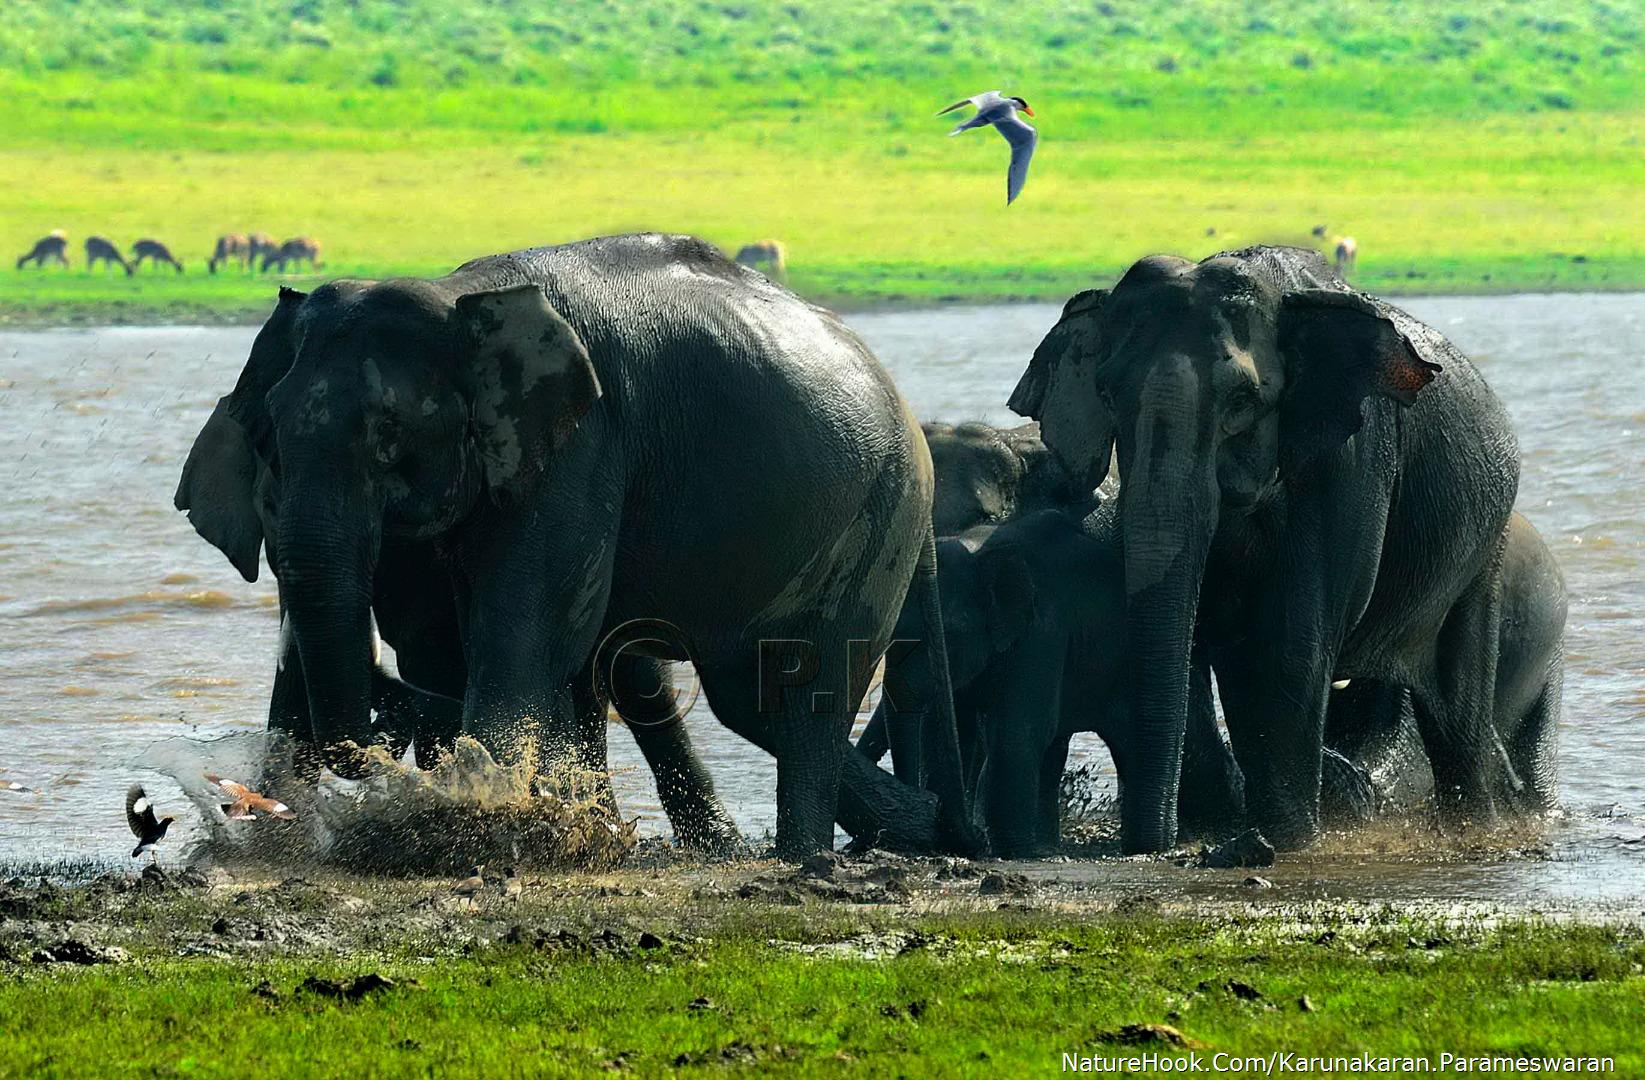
<point>555,422</point>
<point>231,497</point>
<point>1302,484</point>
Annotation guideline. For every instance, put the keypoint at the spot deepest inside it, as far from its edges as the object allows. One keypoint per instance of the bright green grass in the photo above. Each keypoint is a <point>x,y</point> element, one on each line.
<point>1465,148</point>
<point>990,995</point>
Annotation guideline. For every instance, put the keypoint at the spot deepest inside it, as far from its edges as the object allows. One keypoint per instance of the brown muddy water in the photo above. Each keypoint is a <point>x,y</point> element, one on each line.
<point>126,641</point>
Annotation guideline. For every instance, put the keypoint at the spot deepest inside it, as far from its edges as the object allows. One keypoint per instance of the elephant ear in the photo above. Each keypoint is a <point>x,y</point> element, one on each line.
<point>1008,586</point>
<point>1340,347</point>
<point>1060,390</point>
<point>528,378</point>
<point>218,487</point>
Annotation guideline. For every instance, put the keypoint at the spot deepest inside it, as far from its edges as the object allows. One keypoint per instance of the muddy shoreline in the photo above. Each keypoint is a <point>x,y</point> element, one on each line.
<point>83,914</point>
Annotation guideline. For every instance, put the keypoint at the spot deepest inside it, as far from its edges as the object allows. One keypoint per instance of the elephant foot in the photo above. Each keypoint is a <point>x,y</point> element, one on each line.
<point>1288,832</point>
<point>957,834</point>
<point>1458,815</point>
<point>1020,848</point>
<point>715,840</point>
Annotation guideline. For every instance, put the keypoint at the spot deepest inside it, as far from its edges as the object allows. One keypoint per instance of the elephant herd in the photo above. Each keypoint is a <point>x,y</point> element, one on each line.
<point>547,475</point>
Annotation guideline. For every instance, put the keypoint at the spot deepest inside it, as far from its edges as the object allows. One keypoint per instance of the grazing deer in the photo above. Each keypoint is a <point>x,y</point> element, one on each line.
<point>258,245</point>
<point>296,250</point>
<point>155,252</point>
<point>771,253</point>
<point>231,247</point>
<point>1347,254</point>
<point>49,247</point>
<point>99,248</point>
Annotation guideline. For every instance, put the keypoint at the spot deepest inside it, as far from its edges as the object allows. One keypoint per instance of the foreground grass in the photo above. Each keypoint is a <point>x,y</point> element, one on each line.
<point>1465,150</point>
<point>952,996</point>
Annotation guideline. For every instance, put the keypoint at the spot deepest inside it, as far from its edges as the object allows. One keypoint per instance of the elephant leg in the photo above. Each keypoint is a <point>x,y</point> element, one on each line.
<point>1052,766</point>
<point>1211,796</point>
<point>1347,797</point>
<point>1016,714</point>
<point>288,716</point>
<point>428,720</point>
<point>1275,701</point>
<point>811,730</point>
<point>532,623</point>
<point>1011,797</point>
<point>644,694</point>
<point>896,730</point>
<point>795,699</point>
<point>588,756</point>
<point>1456,711</point>
<point>431,664</point>
<point>905,729</point>
<point>1534,748</point>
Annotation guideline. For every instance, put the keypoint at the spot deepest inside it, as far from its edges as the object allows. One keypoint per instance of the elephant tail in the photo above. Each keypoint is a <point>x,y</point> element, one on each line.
<point>944,772</point>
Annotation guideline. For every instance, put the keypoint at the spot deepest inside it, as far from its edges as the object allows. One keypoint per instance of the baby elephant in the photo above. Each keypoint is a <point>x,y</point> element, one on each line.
<point>155,252</point>
<point>1033,617</point>
<point>986,474</point>
<point>50,248</point>
<point>100,249</point>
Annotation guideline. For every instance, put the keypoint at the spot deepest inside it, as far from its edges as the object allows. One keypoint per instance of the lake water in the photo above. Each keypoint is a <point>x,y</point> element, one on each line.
<point>119,627</point>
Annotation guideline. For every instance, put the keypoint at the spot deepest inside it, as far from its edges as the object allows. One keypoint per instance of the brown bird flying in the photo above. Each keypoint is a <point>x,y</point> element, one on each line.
<point>247,803</point>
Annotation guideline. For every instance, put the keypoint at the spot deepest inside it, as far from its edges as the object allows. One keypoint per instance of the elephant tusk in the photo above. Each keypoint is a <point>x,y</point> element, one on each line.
<point>1341,684</point>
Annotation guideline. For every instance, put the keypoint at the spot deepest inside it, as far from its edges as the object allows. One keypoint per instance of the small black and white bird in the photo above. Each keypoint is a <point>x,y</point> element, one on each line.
<point>140,816</point>
<point>994,108</point>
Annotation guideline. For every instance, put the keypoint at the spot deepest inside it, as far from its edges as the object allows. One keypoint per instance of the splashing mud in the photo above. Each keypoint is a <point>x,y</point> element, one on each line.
<point>399,820</point>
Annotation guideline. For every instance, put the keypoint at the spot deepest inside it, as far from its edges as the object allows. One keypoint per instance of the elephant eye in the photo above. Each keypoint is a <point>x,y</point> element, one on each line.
<point>1241,413</point>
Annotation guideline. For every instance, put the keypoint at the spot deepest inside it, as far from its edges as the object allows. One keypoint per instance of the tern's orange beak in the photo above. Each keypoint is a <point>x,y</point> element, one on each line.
<point>1027,110</point>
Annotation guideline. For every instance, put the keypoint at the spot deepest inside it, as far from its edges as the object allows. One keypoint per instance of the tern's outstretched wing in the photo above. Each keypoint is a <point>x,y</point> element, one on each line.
<point>1022,137</point>
<point>981,101</point>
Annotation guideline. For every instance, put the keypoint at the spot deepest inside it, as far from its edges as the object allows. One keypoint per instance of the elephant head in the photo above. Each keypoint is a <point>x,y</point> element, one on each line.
<point>1213,386</point>
<point>367,408</point>
<point>987,474</point>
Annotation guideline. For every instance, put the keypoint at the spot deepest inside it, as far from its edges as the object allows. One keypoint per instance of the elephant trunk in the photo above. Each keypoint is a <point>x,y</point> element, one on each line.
<point>326,579</point>
<point>1169,513</point>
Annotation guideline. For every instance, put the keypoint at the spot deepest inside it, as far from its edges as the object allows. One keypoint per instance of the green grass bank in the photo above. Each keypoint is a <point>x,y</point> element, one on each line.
<point>941,996</point>
<point>1465,148</point>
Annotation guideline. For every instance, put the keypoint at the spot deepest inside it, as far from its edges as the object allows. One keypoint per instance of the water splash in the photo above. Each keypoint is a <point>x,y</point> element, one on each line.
<point>466,810</point>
